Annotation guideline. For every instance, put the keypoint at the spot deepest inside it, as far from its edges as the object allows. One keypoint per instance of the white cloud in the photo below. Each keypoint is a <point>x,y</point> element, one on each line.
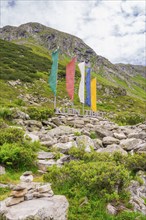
<point>113,28</point>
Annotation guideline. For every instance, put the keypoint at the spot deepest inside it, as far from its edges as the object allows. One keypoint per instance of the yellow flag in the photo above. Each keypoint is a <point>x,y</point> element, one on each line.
<point>93,94</point>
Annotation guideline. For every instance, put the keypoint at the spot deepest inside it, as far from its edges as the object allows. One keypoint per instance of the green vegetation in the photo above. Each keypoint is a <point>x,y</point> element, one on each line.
<point>16,152</point>
<point>92,180</point>
<point>40,113</point>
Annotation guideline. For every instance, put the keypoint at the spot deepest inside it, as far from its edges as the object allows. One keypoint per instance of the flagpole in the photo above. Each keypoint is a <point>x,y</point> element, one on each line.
<point>84,92</point>
<point>54,102</point>
<point>83,108</point>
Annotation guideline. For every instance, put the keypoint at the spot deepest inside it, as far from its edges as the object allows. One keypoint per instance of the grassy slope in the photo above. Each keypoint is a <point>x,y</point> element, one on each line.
<point>32,62</point>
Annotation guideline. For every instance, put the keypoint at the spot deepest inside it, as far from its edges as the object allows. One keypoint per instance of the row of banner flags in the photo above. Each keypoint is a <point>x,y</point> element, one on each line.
<point>70,81</point>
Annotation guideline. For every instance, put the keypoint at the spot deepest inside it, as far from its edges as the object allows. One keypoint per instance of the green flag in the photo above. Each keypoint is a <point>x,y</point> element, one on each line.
<point>53,75</point>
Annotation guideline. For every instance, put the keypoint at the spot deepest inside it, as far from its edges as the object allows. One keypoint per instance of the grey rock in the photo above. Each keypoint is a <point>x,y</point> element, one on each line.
<point>34,137</point>
<point>142,148</point>
<point>62,130</point>
<point>119,136</point>
<point>102,132</point>
<point>42,208</point>
<point>111,209</point>
<point>110,140</point>
<point>13,201</point>
<point>28,178</point>
<point>138,193</point>
<point>138,135</point>
<point>2,170</point>
<point>49,143</point>
<point>64,147</point>
<point>33,123</point>
<point>86,142</point>
<point>63,159</point>
<point>28,196</point>
<point>112,149</point>
<point>56,121</point>
<point>19,193</point>
<point>130,144</point>
<point>42,155</point>
<point>44,188</point>
<point>97,143</point>
<point>44,164</point>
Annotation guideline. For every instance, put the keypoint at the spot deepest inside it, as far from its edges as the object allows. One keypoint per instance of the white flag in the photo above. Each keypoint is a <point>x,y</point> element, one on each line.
<point>82,82</point>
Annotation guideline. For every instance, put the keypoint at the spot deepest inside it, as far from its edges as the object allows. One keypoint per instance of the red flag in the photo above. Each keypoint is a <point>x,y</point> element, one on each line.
<point>70,75</point>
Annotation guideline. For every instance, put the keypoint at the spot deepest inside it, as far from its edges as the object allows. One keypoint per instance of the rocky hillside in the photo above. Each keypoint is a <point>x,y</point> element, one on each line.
<point>120,88</point>
<point>35,33</point>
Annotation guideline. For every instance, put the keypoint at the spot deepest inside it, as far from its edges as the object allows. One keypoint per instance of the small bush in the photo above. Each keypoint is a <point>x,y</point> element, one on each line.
<point>19,155</point>
<point>40,114</point>
<point>5,113</point>
<point>136,162</point>
<point>11,135</point>
<point>130,119</point>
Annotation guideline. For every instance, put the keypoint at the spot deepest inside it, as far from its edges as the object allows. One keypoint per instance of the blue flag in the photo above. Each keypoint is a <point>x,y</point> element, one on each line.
<point>88,88</point>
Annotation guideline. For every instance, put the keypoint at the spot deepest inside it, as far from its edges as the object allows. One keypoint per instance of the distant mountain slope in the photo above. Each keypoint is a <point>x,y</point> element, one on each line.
<point>37,34</point>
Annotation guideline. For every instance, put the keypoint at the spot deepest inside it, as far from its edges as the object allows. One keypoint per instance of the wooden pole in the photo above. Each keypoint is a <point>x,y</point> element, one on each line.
<point>54,102</point>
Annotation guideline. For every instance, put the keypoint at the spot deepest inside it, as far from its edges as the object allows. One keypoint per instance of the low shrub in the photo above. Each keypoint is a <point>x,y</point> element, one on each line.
<point>11,135</point>
<point>131,119</point>
<point>6,113</point>
<point>40,114</point>
<point>19,155</point>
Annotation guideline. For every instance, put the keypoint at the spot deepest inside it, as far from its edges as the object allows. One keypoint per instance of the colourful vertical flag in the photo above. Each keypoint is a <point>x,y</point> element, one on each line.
<point>54,70</point>
<point>88,88</point>
<point>82,82</point>
<point>70,75</point>
<point>93,94</point>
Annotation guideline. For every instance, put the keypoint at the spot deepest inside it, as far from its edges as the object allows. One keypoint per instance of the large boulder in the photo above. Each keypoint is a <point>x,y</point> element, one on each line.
<point>54,208</point>
<point>130,144</point>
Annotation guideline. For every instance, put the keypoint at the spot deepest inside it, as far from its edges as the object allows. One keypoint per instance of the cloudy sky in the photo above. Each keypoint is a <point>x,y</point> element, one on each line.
<point>115,29</point>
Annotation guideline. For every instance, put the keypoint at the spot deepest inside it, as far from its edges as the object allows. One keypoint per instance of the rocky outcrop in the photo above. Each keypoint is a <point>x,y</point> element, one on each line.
<point>30,200</point>
<point>138,193</point>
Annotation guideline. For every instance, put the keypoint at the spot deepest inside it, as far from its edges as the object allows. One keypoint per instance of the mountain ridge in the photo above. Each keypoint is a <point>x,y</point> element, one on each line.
<point>51,38</point>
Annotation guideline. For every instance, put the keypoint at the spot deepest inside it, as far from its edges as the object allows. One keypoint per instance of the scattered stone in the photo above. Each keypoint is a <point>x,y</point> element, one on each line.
<point>140,135</point>
<point>112,149</point>
<point>44,164</point>
<point>64,147</point>
<point>130,144</point>
<point>19,193</point>
<point>110,140</point>
<point>97,144</point>
<point>26,177</point>
<point>119,136</point>
<point>86,142</point>
<point>111,209</point>
<point>2,170</point>
<point>13,201</point>
<point>42,155</point>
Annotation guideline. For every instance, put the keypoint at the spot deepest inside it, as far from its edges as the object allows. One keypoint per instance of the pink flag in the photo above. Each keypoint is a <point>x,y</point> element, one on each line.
<point>70,75</point>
